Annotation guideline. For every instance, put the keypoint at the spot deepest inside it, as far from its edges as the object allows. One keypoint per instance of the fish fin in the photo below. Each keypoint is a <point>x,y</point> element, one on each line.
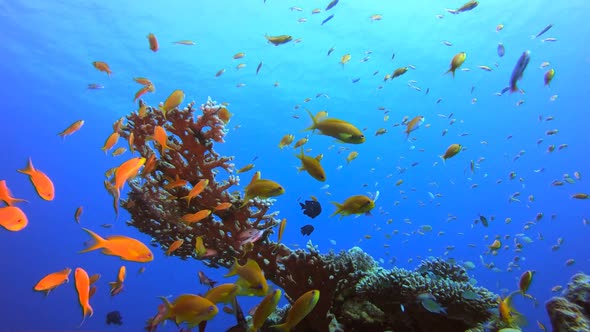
<point>29,169</point>
<point>99,242</point>
<point>234,268</point>
<point>313,119</point>
<point>338,208</point>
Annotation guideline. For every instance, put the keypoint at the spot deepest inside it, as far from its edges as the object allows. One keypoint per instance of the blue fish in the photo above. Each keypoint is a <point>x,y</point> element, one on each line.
<point>327,19</point>
<point>543,31</point>
<point>518,71</point>
<point>501,50</point>
<point>332,4</point>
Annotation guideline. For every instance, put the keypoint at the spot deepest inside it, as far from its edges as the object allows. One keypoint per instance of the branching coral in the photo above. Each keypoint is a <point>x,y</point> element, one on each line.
<point>356,294</point>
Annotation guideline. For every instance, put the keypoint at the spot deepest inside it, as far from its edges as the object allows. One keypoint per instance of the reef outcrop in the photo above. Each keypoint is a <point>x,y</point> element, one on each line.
<point>570,312</point>
<point>356,293</point>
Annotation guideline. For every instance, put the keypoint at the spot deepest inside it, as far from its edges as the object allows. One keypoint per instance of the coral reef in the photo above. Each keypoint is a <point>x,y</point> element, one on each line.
<point>571,311</point>
<point>356,294</point>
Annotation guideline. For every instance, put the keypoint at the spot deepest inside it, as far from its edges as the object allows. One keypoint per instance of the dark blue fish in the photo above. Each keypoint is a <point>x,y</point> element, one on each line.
<point>354,80</point>
<point>501,50</point>
<point>332,4</point>
<point>518,71</point>
<point>505,90</point>
<point>114,317</point>
<point>307,230</point>
<point>311,208</point>
<point>392,56</point>
<point>327,19</point>
<point>330,50</point>
<point>543,31</point>
<point>258,68</point>
<point>427,91</point>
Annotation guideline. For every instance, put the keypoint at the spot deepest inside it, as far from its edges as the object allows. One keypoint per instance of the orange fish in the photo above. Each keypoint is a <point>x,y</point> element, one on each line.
<point>6,195</point>
<point>83,288</point>
<point>102,66</point>
<point>124,173</point>
<point>223,206</point>
<point>13,218</point>
<point>192,218</point>
<point>40,181</point>
<point>153,42</point>
<point>78,213</point>
<point>142,80</point>
<point>197,189</point>
<point>124,247</point>
<point>413,124</point>
<point>142,91</point>
<point>110,142</point>
<point>174,246</point>
<point>161,137</point>
<point>175,183</point>
<point>52,281</point>
<point>74,127</point>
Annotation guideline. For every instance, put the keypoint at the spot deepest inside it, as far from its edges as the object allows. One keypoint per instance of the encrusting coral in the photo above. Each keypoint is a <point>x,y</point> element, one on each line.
<point>356,294</point>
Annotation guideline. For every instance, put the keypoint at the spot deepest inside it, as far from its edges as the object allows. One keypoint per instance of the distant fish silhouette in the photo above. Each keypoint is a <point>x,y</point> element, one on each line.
<point>114,317</point>
<point>311,208</point>
<point>307,230</point>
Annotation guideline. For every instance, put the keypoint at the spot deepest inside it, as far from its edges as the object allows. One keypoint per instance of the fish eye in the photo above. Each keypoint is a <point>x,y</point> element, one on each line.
<point>211,308</point>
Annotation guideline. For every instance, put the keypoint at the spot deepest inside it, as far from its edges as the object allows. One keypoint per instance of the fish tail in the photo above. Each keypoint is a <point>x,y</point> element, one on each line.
<point>234,268</point>
<point>443,159</point>
<point>29,169</point>
<point>98,241</point>
<point>338,208</point>
<point>313,119</point>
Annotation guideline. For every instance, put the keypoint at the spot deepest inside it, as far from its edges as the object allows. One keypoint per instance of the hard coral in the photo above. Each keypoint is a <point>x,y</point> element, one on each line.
<point>396,291</point>
<point>571,311</point>
<point>346,280</point>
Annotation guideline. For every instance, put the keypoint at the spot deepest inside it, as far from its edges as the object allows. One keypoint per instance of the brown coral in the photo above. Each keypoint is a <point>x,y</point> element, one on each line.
<point>349,282</point>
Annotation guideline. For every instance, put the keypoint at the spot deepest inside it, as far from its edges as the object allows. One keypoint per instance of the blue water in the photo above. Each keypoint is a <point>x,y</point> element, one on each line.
<point>48,48</point>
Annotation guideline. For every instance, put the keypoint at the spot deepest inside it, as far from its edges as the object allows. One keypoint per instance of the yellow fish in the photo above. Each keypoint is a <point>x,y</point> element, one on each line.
<point>456,62</point>
<point>251,281</point>
<point>339,129</point>
<point>278,40</point>
<point>451,151</point>
<point>266,307</point>
<point>312,166</point>
<point>262,188</point>
<point>358,204</point>
<point>190,309</point>
<point>300,308</point>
